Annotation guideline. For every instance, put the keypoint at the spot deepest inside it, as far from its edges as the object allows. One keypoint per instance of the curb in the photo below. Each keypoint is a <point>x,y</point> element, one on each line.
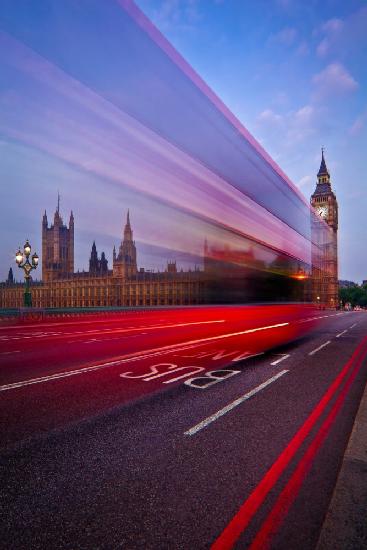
<point>345,524</point>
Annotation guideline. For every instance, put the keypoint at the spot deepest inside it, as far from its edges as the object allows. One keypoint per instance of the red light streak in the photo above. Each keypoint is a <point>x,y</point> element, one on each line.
<point>241,520</point>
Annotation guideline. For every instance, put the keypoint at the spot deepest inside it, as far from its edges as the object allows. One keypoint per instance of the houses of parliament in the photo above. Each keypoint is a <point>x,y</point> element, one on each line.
<point>228,275</point>
<point>123,285</point>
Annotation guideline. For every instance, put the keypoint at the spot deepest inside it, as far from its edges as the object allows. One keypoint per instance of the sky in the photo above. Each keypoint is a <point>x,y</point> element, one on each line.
<point>292,72</point>
<point>295,74</point>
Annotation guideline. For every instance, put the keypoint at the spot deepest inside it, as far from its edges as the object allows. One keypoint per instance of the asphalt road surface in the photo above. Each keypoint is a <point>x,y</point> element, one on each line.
<point>169,431</point>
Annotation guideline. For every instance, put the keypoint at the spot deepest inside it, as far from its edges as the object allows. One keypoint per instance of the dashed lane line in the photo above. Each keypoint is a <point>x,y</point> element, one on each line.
<point>284,356</point>
<point>204,423</point>
<point>319,317</point>
<point>355,324</point>
<point>320,347</point>
<point>341,333</point>
<point>112,331</point>
<point>98,340</point>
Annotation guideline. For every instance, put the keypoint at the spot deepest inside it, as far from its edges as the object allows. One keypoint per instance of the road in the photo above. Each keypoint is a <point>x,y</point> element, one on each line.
<point>176,431</point>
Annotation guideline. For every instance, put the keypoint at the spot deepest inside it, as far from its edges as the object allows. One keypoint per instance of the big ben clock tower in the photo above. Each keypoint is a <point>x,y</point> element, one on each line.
<point>324,236</point>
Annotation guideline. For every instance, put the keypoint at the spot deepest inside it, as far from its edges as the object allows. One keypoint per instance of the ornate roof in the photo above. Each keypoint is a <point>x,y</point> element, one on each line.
<point>323,189</point>
<point>323,171</point>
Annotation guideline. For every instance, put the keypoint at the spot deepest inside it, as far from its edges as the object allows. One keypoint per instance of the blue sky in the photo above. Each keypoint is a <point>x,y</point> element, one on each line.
<point>293,72</point>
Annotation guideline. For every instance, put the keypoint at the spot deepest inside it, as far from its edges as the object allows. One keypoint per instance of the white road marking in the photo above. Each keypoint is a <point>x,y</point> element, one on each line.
<point>235,403</point>
<point>341,333</point>
<point>134,356</point>
<point>10,352</point>
<point>114,331</point>
<point>314,318</point>
<point>353,325</point>
<point>320,347</point>
<point>285,356</point>
<point>94,340</point>
<point>74,322</point>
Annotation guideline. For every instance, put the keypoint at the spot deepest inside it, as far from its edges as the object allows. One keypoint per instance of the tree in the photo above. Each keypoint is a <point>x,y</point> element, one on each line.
<point>355,295</point>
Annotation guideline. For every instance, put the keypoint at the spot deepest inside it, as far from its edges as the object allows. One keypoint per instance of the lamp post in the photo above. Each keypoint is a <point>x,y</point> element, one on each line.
<point>22,259</point>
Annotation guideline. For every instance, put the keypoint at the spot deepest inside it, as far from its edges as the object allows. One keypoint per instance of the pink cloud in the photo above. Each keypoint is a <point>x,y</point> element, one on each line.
<point>323,48</point>
<point>359,124</point>
<point>268,116</point>
<point>286,36</point>
<point>294,126</point>
<point>343,37</point>
<point>333,25</point>
<point>305,181</point>
<point>334,80</point>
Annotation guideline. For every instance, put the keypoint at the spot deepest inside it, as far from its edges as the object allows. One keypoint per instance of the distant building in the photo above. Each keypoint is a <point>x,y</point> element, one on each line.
<point>10,279</point>
<point>97,266</point>
<point>123,285</point>
<point>57,247</point>
<point>347,284</point>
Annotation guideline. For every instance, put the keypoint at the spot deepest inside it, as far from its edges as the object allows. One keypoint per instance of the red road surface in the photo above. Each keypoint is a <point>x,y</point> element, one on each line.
<point>66,369</point>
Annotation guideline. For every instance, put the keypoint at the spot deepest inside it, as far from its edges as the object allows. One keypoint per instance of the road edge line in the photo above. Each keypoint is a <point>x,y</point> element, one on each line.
<point>244,515</point>
<point>340,524</point>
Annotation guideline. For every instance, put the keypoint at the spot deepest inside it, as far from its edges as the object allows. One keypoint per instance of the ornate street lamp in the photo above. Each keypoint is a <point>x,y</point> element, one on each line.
<point>22,259</point>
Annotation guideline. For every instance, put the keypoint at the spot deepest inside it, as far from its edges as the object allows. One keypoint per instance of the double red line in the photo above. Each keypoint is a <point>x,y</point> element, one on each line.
<point>271,524</point>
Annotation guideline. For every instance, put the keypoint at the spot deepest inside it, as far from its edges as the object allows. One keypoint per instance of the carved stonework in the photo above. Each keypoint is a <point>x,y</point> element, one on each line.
<point>324,230</point>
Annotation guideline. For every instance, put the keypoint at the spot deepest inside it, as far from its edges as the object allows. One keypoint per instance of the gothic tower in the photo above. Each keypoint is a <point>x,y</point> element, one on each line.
<point>57,247</point>
<point>93,260</point>
<point>97,266</point>
<point>324,236</point>
<point>124,264</point>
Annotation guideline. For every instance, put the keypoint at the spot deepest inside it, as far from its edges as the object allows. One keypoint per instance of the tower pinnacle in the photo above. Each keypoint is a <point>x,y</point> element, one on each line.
<point>125,262</point>
<point>323,171</point>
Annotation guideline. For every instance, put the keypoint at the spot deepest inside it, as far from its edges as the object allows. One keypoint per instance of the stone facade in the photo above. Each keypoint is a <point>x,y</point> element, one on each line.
<point>124,285</point>
<point>57,247</point>
<point>324,236</point>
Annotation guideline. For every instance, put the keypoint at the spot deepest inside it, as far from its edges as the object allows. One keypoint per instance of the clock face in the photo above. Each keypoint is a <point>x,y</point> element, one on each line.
<point>322,211</point>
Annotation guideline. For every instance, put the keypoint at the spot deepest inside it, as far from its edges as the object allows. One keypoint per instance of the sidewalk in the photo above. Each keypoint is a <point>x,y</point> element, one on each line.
<point>345,525</point>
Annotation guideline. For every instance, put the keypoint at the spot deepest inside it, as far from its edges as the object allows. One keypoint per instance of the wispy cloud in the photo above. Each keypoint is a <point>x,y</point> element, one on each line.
<point>323,47</point>
<point>177,14</point>
<point>359,124</point>
<point>333,25</point>
<point>331,29</point>
<point>285,37</point>
<point>333,80</point>
<point>306,181</point>
<point>294,126</point>
<point>303,48</point>
<point>270,117</point>
<point>285,4</point>
<point>342,37</point>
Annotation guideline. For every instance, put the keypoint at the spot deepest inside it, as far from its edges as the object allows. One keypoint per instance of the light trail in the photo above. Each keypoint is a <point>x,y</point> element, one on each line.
<point>135,356</point>
<point>242,518</point>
